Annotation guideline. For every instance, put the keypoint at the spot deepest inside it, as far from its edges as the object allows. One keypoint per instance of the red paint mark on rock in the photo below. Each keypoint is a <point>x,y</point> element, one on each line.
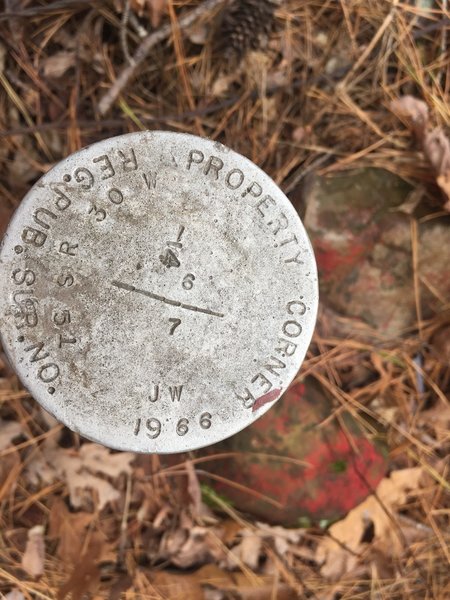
<point>269,397</point>
<point>330,259</point>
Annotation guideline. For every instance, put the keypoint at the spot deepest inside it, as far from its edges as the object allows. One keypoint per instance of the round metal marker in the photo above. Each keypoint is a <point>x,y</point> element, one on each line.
<point>158,292</point>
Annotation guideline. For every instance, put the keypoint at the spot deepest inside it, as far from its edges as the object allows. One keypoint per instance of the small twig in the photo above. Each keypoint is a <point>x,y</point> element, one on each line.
<point>124,32</point>
<point>144,48</point>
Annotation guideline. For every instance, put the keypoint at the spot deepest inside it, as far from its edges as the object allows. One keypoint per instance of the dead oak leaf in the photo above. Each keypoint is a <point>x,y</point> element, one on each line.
<point>248,551</point>
<point>81,470</point>
<point>186,548</point>
<point>250,548</point>
<point>85,576</point>
<point>339,553</point>
<point>283,539</point>
<point>70,529</point>
<point>99,459</point>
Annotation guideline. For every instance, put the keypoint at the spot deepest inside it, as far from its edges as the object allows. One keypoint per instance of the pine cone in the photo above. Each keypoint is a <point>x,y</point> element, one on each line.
<point>246,25</point>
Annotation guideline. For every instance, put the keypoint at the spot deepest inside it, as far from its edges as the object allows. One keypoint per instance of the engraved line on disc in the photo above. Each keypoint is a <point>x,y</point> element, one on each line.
<point>132,288</point>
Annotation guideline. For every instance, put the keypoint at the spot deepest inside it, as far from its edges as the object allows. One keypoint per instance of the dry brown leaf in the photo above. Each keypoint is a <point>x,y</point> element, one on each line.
<point>229,530</point>
<point>69,528</point>
<point>438,419</point>
<point>282,538</point>
<point>40,469</point>
<point>80,470</point>
<point>99,459</point>
<point>33,557</point>
<point>79,481</point>
<point>56,65</point>
<point>8,431</point>
<point>248,551</point>
<point>189,547</point>
<point>437,150</point>
<point>338,554</point>
<point>414,110</point>
<point>436,145</point>
<point>85,576</point>
<point>172,542</point>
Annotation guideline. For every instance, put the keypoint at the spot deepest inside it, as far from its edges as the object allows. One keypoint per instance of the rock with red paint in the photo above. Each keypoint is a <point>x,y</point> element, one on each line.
<point>297,461</point>
<point>361,232</point>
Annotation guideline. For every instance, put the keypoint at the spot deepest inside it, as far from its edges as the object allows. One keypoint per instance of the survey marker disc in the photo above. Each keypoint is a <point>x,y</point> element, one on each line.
<point>158,292</point>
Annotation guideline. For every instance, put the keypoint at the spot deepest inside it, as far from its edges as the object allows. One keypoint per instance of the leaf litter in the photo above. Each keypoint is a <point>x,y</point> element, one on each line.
<point>82,471</point>
<point>339,552</point>
<point>83,522</point>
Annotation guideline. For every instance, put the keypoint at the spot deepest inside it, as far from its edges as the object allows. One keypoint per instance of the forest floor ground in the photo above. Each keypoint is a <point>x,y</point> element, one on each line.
<point>314,97</point>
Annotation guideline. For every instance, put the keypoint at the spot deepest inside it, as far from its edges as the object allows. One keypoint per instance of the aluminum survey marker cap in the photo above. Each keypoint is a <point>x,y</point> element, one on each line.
<point>158,292</point>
